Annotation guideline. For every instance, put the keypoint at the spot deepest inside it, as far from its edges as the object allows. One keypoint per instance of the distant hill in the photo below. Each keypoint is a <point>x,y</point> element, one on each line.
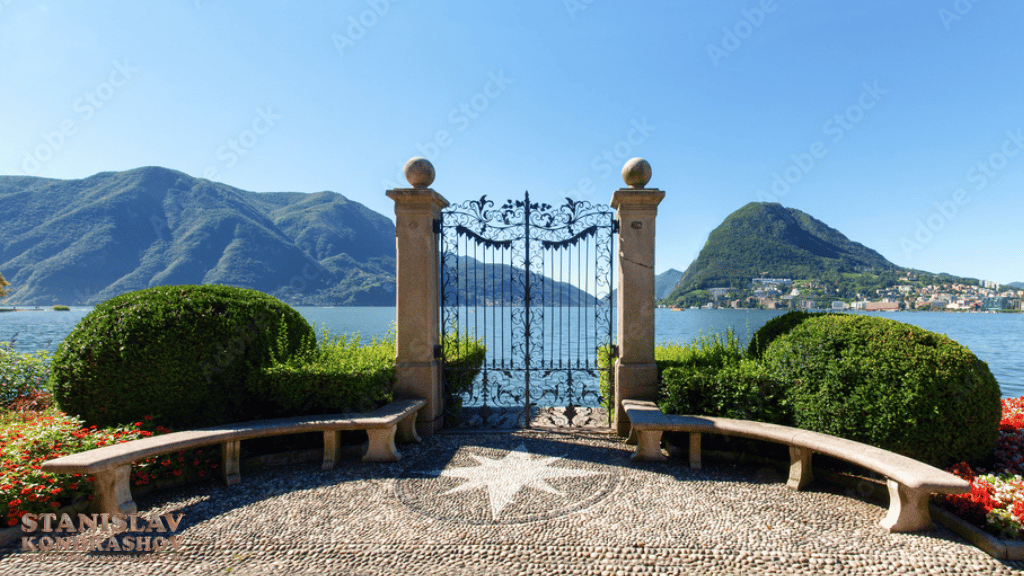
<point>1015,285</point>
<point>85,241</point>
<point>768,239</point>
<point>665,282</point>
<point>479,284</point>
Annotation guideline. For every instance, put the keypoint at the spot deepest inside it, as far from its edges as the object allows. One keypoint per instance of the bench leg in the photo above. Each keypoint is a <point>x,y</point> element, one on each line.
<point>407,429</point>
<point>229,454</point>
<point>800,472</point>
<point>908,509</point>
<point>648,446</point>
<point>113,491</point>
<point>382,445</point>
<point>695,451</point>
<point>332,445</point>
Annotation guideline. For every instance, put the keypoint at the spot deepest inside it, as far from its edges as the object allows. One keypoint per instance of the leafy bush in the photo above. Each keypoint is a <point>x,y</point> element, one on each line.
<point>463,357</point>
<point>777,327</point>
<point>714,351</point>
<point>890,385</point>
<point>183,352</point>
<point>706,354</point>
<point>743,390</point>
<point>21,375</point>
<point>343,375</point>
<point>606,377</point>
<point>711,376</point>
<point>61,308</point>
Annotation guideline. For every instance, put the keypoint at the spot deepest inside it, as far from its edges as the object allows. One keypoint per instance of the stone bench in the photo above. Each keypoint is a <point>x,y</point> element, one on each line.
<point>910,482</point>
<point>111,465</point>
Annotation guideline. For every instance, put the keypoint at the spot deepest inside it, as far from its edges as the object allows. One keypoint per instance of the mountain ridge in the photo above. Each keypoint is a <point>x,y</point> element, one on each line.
<point>87,240</point>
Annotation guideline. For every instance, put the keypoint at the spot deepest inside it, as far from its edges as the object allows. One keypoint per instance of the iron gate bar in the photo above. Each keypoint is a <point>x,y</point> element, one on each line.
<point>473,235</point>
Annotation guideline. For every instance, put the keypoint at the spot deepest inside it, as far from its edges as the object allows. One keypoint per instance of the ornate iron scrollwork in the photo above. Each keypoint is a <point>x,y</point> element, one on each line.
<point>535,283</point>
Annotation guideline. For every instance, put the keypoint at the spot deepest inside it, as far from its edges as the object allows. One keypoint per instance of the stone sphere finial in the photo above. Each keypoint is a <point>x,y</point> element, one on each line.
<point>636,172</point>
<point>419,172</point>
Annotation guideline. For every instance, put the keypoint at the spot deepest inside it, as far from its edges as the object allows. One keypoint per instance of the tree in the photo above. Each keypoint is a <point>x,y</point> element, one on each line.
<point>3,283</point>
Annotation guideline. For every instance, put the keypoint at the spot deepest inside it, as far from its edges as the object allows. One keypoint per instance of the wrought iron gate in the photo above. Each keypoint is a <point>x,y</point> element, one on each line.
<point>533,284</point>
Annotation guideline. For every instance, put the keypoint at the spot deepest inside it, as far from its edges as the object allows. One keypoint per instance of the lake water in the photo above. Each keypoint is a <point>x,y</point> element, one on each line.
<point>998,339</point>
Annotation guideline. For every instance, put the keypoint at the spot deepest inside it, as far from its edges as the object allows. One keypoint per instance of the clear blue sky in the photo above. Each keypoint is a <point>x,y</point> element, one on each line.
<point>897,123</point>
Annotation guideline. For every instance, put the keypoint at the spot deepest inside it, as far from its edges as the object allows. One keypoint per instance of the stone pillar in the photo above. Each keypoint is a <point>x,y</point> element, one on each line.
<point>636,374</point>
<point>416,300</point>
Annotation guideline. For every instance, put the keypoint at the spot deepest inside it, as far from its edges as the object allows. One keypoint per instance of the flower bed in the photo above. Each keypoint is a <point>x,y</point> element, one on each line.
<point>27,439</point>
<point>996,500</point>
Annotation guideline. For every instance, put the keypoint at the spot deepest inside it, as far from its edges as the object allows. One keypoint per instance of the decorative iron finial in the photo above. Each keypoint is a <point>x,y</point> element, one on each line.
<point>636,172</point>
<point>419,172</point>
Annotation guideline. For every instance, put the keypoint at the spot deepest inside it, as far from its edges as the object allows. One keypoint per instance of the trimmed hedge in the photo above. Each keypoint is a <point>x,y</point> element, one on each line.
<point>776,327</point>
<point>182,353</point>
<point>888,384</point>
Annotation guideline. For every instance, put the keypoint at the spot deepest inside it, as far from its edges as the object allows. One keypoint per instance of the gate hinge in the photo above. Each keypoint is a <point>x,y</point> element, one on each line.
<point>437,352</point>
<point>437,226</point>
<point>615,351</point>
<point>615,226</point>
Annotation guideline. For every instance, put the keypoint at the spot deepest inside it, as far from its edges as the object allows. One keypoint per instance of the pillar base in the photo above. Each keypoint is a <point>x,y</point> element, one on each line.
<point>634,381</point>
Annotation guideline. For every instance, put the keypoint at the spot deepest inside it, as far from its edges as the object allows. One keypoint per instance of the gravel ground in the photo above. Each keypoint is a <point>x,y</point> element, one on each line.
<point>529,502</point>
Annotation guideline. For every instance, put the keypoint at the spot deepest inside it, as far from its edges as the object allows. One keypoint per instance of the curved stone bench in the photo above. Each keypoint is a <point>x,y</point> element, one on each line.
<point>910,481</point>
<point>112,465</point>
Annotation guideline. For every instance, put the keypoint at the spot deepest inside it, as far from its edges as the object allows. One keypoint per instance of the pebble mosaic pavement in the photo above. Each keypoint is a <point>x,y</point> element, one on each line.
<point>529,502</point>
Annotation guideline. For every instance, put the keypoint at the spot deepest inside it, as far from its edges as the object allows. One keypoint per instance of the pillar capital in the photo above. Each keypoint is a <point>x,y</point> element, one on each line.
<point>417,199</point>
<point>637,198</point>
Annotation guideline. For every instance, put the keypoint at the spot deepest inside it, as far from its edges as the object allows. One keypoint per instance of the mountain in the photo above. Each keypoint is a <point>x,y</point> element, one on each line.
<point>1014,285</point>
<point>474,283</point>
<point>768,239</point>
<point>665,282</point>
<point>85,241</point>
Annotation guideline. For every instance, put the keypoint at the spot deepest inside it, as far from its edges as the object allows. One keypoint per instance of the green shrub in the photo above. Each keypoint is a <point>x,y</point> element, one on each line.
<point>21,374</point>
<point>463,357</point>
<point>777,327</point>
<point>706,353</point>
<point>743,390</point>
<point>61,308</point>
<point>890,385</point>
<point>606,376</point>
<point>342,375</point>
<point>184,353</point>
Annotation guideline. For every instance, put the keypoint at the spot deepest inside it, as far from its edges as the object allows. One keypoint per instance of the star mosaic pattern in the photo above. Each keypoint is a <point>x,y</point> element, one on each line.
<point>504,478</point>
<point>512,484</point>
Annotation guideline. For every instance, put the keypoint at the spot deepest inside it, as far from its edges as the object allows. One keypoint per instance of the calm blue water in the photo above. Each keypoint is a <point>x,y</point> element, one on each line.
<point>996,338</point>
